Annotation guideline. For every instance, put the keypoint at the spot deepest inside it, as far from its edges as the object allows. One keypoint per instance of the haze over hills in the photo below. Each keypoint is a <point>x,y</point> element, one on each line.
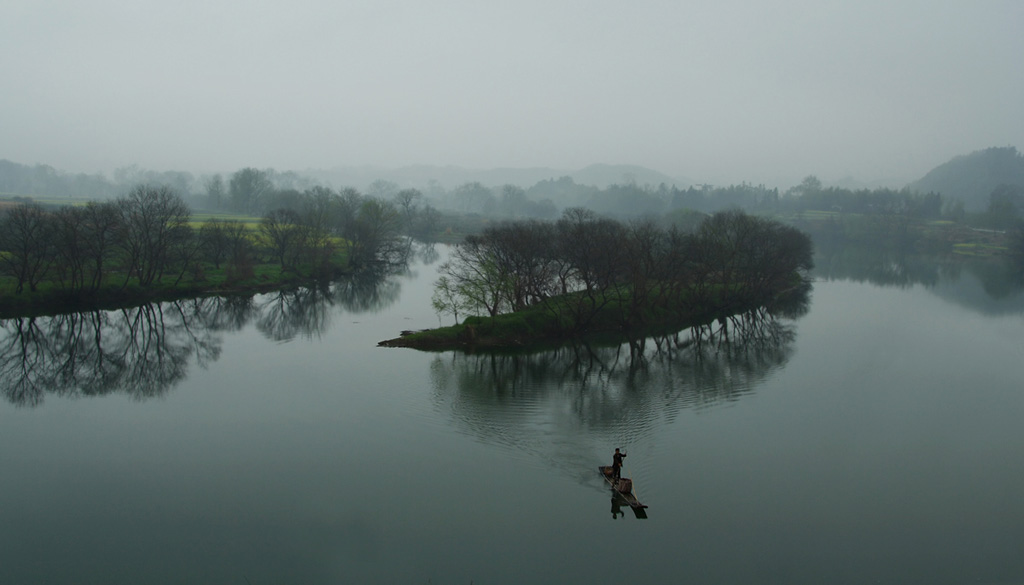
<point>709,92</point>
<point>972,177</point>
<point>44,180</point>
<point>419,176</point>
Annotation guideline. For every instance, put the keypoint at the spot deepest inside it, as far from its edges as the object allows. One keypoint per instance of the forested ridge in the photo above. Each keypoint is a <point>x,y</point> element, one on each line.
<point>972,178</point>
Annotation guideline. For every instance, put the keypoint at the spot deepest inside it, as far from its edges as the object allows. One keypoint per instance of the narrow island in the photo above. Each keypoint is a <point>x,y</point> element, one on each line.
<point>530,285</point>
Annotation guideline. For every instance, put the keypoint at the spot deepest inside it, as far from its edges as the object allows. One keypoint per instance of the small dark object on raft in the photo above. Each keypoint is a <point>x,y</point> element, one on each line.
<point>623,487</point>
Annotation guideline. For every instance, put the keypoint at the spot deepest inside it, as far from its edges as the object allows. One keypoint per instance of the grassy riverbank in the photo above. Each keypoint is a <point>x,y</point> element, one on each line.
<point>551,324</point>
<point>205,279</point>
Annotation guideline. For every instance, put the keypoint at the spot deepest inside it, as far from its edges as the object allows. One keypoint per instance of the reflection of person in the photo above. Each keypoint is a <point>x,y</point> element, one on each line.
<point>617,463</point>
<point>616,510</point>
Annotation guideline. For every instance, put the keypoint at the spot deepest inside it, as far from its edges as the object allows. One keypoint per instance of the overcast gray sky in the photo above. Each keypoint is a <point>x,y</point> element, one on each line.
<point>717,91</point>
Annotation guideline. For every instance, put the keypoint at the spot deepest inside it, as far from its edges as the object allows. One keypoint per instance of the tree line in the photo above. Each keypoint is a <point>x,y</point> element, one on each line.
<point>583,266</point>
<point>253,191</point>
<point>147,238</point>
<point>847,215</point>
<point>256,191</point>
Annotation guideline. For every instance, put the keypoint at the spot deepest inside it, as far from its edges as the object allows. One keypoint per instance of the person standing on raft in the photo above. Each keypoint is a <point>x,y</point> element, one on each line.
<point>617,463</point>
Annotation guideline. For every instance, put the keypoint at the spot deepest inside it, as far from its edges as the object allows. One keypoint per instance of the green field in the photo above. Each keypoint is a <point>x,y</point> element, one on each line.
<point>199,218</point>
<point>260,273</point>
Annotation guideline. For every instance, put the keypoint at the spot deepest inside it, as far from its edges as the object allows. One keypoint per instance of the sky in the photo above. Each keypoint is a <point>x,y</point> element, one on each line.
<point>715,91</point>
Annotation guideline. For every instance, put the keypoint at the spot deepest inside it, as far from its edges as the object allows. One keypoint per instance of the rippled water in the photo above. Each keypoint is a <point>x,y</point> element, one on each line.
<point>873,439</point>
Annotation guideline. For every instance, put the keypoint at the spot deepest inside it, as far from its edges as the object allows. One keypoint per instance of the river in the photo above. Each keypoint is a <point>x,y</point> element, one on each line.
<point>873,437</point>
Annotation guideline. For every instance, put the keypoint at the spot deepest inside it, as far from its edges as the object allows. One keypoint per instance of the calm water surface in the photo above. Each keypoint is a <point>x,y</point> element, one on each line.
<point>875,439</point>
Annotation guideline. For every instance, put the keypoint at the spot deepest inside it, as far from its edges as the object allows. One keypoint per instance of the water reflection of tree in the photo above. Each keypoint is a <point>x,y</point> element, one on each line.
<point>625,388</point>
<point>283,315</point>
<point>427,253</point>
<point>1002,291</point>
<point>878,265</point>
<point>374,288</point>
<point>368,291</point>
<point>145,351</point>
<point>142,351</point>
<point>230,313</point>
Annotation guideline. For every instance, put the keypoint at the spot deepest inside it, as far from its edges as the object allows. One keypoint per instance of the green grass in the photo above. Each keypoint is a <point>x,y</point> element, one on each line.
<point>249,221</point>
<point>552,324</point>
<point>978,249</point>
<point>70,201</point>
<point>49,298</point>
<point>202,216</point>
<point>813,214</point>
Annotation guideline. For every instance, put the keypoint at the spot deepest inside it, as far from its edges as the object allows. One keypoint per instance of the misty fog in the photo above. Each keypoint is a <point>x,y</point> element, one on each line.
<point>702,92</point>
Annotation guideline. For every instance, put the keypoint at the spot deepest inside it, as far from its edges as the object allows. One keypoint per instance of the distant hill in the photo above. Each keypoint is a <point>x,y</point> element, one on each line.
<point>971,178</point>
<point>601,175</point>
<point>598,175</point>
<point>43,180</point>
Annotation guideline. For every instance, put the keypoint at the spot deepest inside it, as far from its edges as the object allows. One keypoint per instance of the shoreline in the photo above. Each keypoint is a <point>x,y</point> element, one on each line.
<point>505,333</point>
<point>42,304</point>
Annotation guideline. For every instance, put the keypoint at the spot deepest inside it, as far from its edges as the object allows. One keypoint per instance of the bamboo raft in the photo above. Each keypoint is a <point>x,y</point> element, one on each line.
<point>623,489</point>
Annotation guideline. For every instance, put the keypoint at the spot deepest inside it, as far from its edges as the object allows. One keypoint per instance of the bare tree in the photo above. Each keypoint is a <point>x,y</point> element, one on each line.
<point>592,248</point>
<point>407,201</point>
<point>227,240</point>
<point>69,240</point>
<point>446,299</point>
<point>83,241</point>
<point>215,192</point>
<point>521,254</point>
<point>374,233</point>
<point>473,273</point>
<point>103,226</point>
<point>382,189</point>
<point>284,235</point>
<point>213,237</point>
<point>248,188</point>
<point>25,240</point>
<point>749,255</point>
<point>319,206</point>
<point>154,224</point>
